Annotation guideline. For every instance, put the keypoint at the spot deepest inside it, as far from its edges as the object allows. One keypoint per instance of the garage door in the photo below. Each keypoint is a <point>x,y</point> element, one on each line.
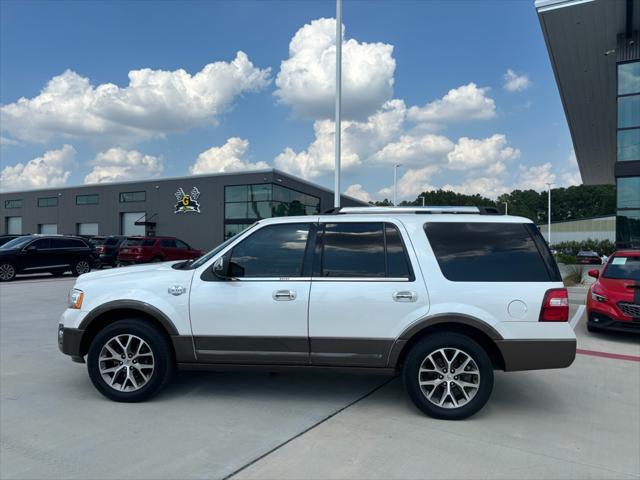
<point>127,223</point>
<point>14,225</point>
<point>48,228</point>
<point>87,229</point>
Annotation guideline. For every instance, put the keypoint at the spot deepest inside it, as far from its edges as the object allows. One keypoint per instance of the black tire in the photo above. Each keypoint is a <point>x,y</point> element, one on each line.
<point>164,363</point>
<point>80,266</point>
<point>593,329</point>
<point>446,340</point>
<point>7,272</point>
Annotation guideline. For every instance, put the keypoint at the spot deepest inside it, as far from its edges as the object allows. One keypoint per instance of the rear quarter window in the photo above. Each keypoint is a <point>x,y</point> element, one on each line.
<point>490,252</point>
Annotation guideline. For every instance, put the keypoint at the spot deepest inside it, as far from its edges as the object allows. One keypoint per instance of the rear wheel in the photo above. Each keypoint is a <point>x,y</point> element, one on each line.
<point>7,272</point>
<point>80,266</point>
<point>130,361</point>
<point>448,376</point>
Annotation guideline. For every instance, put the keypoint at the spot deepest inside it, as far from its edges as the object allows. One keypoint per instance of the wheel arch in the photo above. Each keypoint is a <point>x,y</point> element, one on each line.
<point>111,312</point>
<point>476,329</point>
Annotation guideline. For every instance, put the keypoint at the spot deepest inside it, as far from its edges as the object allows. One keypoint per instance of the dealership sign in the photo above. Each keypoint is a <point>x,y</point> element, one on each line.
<point>187,202</point>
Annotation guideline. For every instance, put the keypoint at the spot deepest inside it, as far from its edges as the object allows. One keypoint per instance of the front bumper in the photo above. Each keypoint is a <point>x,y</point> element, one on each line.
<point>605,322</point>
<point>70,342</point>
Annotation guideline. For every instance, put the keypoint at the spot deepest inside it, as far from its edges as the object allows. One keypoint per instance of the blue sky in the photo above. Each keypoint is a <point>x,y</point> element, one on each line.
<point>270,107</point>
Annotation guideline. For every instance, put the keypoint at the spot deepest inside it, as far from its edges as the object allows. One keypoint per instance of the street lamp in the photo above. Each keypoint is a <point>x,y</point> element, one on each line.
<point>548,184</point>
<point>336,187</point>
<point>395,183</point>
<point>506,208</point>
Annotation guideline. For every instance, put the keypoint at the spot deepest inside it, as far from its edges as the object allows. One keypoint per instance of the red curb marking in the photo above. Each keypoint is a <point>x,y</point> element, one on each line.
<point>617,356</point>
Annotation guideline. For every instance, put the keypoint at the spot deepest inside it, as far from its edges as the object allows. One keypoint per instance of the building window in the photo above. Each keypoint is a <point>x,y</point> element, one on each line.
<point>14,225</point>
<point>13,203</point>
<point>244,204</point>
<point>628,229</point>
<point>126,197</point>
<point>628,111</point>
<point>628,192</point>
<point>91,199</point>
<point>48,202</point>
<point>628,78</point>
<point>629,144</point>
<point>48,228</point>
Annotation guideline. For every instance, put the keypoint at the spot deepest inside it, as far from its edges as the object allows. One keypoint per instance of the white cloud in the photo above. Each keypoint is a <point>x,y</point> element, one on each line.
<point>230,157</point>
<point>6,142</point>
<point>117,164</point>
<point>490,187</point>
<point>306,81</point>
<point>536,177</point>
<point>467,102</point>
<point>514,82</point>
<point>155,102</point>
<point>571,176</point>
<point>412,183</point>
<point>50,170</point>
<point>489,153</point>
<point>414,150</point>
<point>359,141</point>
<point>357,191</point>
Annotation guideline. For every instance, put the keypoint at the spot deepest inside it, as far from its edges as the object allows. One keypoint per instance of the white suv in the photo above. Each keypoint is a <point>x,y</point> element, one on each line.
<point>442,295</point>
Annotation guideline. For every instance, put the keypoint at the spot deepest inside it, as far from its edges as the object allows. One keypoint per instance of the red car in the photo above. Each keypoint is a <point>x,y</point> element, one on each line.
<point>155,249</point>
<point>613,301</point>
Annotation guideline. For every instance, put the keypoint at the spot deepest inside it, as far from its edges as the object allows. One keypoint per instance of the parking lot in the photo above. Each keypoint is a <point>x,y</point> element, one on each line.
<point>580,422</point>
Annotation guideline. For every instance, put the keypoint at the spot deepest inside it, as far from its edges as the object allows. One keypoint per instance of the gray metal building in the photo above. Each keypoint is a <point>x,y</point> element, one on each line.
<point>202,210</point>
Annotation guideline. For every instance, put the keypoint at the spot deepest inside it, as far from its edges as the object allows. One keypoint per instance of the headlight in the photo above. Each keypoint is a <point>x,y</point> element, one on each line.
<point>75,298</point>
<point>598,298</point>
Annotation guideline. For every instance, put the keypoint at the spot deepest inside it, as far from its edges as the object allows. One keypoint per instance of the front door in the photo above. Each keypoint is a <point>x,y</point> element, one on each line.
<point>37,257</point>
<point>363,293</point>
<point>259,316</point>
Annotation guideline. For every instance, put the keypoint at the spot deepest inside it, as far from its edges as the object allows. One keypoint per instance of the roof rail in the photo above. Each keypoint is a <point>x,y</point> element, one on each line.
<point>418,210</point>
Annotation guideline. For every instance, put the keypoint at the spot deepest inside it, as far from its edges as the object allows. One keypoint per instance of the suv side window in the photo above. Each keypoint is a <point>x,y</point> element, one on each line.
<point>66,243</point>
<point>181,245</point>
<point>487,252</point>
<point>363,249</point>
<point>41,244</point>
<point>272,251</point>
<point>168,243</point>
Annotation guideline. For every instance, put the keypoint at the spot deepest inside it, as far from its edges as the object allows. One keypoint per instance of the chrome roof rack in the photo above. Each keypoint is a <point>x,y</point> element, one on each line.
<point>396,210</point>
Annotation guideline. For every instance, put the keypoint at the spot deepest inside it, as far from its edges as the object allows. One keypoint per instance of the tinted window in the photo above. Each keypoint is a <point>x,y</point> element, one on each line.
<point>48,201</point>
<point>111,241</point>
<point>623,268</point>
<point>41,243</point>
<point>66,243</point>
<point>486,252</point>
<point>353,250</point>
<point>272,251</point>
<point>168,243</point>
<point>148,243</point>
<point>91,199</point>
<point>133,197</point>
<point>397,263</point>
<point>183,246</point>
<point>13,203</point>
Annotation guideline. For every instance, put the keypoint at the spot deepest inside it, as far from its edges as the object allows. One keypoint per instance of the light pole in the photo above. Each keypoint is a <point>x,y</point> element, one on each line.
<point>549,214</point>
<point>423,200</point>
<point>336,187</point>
<point>395,183</point>
<point>506,208</point>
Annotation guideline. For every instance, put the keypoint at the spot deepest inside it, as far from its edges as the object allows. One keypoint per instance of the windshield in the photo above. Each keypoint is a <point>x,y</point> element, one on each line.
<point>205,258</point>
<point>16,243</point>
<point>623,268</point>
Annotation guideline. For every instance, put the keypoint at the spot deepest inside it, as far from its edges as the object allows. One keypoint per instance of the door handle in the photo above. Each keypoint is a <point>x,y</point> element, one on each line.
<point>284,295</point>
<point>405,296</point>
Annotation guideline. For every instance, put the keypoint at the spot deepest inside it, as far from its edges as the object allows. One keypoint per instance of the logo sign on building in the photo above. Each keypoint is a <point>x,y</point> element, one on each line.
<point>187,202</point>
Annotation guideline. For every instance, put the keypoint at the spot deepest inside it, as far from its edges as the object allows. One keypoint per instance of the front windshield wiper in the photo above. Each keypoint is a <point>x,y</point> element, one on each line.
<point>183,265</point>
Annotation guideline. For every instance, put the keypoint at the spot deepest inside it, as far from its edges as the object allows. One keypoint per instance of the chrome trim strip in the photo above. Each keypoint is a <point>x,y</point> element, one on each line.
<point>47,267</point>
<point>249,352</point>
<point>359,279</point>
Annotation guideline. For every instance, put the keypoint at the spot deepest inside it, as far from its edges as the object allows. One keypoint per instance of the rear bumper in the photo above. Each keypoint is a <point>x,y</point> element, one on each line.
<point>536,354</point>
<point>605,322</point>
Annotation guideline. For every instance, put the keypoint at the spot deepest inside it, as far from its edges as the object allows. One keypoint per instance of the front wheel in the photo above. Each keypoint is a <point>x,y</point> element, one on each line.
<point>130,361</point>
<point>448,376</point>
<point>7,272</point>
<point>80,266</point>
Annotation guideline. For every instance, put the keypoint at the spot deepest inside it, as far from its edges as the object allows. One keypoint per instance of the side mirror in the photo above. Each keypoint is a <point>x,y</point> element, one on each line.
<point>221,267</point>
<point>594,273</point>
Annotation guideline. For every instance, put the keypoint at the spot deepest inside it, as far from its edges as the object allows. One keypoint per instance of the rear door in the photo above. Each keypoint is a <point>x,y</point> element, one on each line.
<point>169,249</point>
<point>363,290</point>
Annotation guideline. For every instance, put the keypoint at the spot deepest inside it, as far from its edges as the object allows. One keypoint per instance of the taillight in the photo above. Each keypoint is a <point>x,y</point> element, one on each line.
<point>555,307</point>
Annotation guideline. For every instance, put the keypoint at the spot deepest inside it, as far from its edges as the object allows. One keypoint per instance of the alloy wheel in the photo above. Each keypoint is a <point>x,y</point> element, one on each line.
<point>82,267</point>
<point>449,378</point>
<point>126,363</point>
<point>7,272</point>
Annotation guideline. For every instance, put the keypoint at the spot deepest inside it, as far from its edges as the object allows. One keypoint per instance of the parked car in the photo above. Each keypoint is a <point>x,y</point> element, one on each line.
<point>108,248</point>
<point>55,254</point>
<point>443,299</point>
<point>5,238</point>
<point>613,302</point>
<point>588,258</point>
<point>155,249</point>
